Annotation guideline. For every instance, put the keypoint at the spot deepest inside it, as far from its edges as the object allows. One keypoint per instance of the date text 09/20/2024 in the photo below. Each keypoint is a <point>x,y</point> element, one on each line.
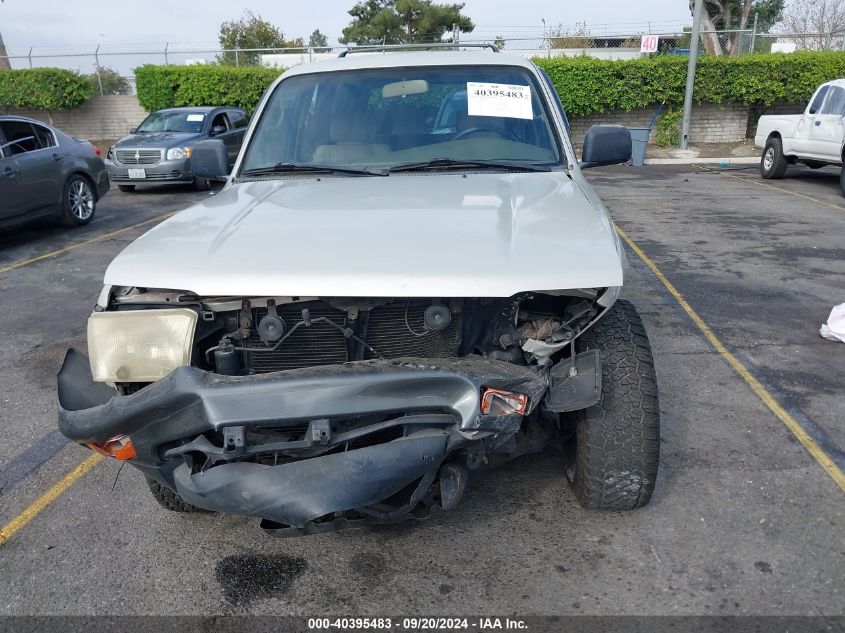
<point>417,624</point>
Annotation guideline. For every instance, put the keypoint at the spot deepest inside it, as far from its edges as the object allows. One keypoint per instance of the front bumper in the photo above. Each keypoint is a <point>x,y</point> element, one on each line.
<point>175,425</point>
<point>163,171</point>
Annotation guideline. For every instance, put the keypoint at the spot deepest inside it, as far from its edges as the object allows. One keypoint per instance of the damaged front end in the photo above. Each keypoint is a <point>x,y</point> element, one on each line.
<point>317,413</point>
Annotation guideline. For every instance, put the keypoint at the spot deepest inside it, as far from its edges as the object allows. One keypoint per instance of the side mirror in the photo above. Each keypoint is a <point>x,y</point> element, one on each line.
<point>217,130</point>
<point>210,160</point>
<point>133,130</point>
<point>606,145</point>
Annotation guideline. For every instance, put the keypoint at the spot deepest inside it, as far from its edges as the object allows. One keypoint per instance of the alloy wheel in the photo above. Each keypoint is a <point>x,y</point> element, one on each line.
<point>80,199</point>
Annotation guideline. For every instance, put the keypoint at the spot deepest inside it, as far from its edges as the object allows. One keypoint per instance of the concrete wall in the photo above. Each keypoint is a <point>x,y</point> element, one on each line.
<point>755,112</point>
<point>99,118</point>
<point>710,123</point>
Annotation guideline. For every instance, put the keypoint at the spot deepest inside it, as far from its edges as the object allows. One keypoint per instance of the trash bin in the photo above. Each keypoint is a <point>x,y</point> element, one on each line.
<point>639,139</point>
<point>639,143</point>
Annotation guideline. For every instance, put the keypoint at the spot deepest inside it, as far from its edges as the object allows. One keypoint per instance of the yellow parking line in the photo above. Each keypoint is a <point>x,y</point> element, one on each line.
<point>47,498</point>
<point>818,453</point>
<point>781,189</point>
<point>73,247</point>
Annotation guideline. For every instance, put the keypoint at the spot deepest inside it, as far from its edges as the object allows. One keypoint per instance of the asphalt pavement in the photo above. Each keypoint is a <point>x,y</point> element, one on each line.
<point>744,519</point>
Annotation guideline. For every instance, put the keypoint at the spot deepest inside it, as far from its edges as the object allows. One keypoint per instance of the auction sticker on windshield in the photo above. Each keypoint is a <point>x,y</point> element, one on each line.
<point>502,100</point>
<point>196,117</point>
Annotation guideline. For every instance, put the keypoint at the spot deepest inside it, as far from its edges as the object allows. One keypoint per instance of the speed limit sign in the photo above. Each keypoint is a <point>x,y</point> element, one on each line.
<point>648,44</point>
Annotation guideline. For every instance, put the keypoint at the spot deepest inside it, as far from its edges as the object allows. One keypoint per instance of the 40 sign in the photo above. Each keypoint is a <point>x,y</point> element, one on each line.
<point>649,44</point>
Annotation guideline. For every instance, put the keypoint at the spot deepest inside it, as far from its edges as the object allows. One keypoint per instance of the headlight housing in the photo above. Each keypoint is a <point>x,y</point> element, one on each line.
<point>178,153</point>
<point>139,345</point>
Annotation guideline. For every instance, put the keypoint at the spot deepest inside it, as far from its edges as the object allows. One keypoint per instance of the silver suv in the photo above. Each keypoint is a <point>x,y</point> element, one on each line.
<point>376,307</point>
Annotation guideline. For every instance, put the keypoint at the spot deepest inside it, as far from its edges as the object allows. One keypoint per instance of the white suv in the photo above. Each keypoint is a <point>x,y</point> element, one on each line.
<point>375,307</point>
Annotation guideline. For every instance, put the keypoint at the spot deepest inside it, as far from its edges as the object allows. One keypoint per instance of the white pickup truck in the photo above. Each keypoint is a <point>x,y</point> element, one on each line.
<point>814,138</point>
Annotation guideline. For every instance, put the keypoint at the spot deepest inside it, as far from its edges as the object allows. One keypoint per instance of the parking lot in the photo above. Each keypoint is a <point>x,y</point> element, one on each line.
<point>747,517</point>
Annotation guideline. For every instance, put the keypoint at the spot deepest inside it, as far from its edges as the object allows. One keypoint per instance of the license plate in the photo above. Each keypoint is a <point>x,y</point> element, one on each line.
<point>137,173</point>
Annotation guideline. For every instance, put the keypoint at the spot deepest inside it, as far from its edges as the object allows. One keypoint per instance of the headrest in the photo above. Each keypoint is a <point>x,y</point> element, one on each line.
<point>352,127</point>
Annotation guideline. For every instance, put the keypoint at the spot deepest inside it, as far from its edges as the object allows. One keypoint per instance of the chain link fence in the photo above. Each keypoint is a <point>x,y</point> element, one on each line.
<point>110,68</point>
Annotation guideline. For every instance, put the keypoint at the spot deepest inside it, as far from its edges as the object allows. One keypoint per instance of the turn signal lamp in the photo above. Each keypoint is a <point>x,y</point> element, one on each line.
<point>118,447</point>
<point>501,402</point>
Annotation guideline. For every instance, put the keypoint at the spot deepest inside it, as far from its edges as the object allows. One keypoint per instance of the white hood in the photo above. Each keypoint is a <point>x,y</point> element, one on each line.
<point>408,235</point>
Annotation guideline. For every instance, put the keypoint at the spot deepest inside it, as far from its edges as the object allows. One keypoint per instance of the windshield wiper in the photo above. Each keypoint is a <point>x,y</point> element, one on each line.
<point>460,163</point>
<point>280,168</point>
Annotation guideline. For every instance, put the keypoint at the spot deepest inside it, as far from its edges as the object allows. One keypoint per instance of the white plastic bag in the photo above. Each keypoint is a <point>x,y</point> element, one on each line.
<point>834,329</point>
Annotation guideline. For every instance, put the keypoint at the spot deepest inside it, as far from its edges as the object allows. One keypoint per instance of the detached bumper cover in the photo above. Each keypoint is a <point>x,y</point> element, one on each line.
<point>190,402</point>
<point>302,491</point>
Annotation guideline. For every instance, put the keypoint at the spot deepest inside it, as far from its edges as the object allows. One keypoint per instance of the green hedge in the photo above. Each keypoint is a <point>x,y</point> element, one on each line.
<point>172,86</point>
<point>587,85</point>
<point>43,89</point>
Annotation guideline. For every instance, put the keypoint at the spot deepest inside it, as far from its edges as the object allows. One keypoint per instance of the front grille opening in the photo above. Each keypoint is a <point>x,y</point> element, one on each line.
<point>317,344</point>
<point>391,337</point>
<point>392,330</point>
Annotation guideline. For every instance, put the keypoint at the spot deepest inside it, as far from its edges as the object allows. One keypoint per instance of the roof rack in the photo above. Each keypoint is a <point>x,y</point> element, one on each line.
<point>418,46</point>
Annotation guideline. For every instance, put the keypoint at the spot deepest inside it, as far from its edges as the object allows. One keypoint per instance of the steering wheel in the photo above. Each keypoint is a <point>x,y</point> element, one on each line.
<point>474,131</point>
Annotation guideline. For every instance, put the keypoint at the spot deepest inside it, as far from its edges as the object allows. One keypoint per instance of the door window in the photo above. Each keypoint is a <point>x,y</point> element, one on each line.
<point>221,120</point>
<point>237,118</point>
<point>819,98</point>
<point>44,137</point>
<point>835,102</point>
<point>20,137</point>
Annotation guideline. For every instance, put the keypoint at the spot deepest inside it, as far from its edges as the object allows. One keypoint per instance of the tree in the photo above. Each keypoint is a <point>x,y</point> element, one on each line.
<point>500,42</point>
<point>318,42</point>
<point>721,15</point>
<point>251,31</point>
<point>820,17</point>
<point>563,37</point>
<point>113,82</point>
<point>403,21</point>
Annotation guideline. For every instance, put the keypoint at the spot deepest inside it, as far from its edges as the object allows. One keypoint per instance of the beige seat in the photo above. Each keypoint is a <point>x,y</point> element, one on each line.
<point>353,135</point>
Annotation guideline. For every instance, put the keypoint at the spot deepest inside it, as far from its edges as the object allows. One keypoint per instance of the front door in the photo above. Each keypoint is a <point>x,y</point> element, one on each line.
<point>827,131</point>
<point>11,196</point>
<point>38,166</point>
<point>808,121</point>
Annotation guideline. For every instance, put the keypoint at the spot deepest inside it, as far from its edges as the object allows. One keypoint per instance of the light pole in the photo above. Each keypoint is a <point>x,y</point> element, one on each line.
<point>693,60</point>
<point>546,44</point>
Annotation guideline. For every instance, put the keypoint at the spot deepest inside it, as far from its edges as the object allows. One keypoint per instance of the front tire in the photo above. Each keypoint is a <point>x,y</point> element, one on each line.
<point>616,445</point>
<point>201,184</point>
<point>169,499</point>
<point>842,179</point>
<point>773,163</point>
<point>79,202</point>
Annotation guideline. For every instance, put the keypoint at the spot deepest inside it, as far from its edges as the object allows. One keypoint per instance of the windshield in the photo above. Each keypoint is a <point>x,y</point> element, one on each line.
<point>382,118</point>
<point>165,121</point>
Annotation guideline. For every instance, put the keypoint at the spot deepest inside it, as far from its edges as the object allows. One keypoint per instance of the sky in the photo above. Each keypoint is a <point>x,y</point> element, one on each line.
<point>53,26</point>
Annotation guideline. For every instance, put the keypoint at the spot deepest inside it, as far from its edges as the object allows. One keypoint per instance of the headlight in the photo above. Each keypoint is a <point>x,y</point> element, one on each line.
<point>177,153</point>
<point>139,345</point>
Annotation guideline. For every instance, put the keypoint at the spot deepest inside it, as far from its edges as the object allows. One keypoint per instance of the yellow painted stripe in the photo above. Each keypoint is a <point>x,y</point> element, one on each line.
<point>781,414</point>
<point>73,247</point>
<point>781,189</point>
<point>35,508</point>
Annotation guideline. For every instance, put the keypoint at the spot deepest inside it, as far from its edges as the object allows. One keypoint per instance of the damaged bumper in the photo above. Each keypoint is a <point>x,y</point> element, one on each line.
<point>304,445</point>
